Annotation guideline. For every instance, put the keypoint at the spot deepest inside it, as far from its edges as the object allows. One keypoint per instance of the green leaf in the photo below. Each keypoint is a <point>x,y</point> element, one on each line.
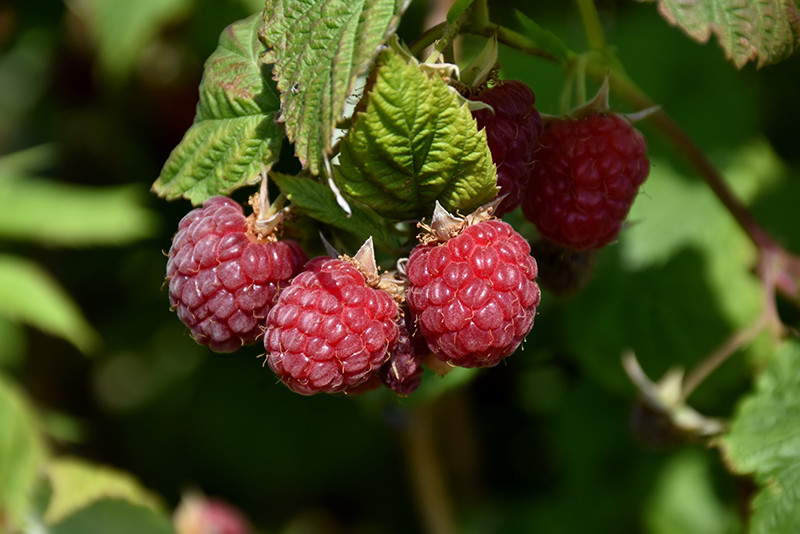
<point>30,295</point>
<point>122,30</point>
<point>234,134</point>
<point>545,39</point>
<point>77,484</point>
<point>319,48</point>
<point>21,451</point>
<point>764,441</point>
<point>61,214</point>
<point>319,202</point>
<point>695,270</point>
<point>27,162</point>
<point>765,31</point>
<point>456,10</point>
<point>117,516</point>
<point>415,143</point>
<point>684,498</point>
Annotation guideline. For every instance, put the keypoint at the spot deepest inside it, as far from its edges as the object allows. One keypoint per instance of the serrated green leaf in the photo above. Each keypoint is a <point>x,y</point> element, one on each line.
<point>319,202</point>
<point>764,440</point>
<point>30,295</point>
<point>545,39</point>
<point>21,451</point>
<point>114,515</point>
<point>764,31</point>
<point>458,7</point>
<point>77,484</point>
<point>122,30</point>
<point>54,213</point>
<point>415,144</point>
<point>234,134</point>
<point>319,48</point>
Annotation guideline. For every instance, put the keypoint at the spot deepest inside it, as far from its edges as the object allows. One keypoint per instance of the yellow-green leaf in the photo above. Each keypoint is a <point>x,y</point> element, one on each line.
<point>77,484</point>
<point>416,143</point>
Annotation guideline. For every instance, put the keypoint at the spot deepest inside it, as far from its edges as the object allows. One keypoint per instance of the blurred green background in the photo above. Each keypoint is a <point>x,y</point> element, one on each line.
<point>95,94</point>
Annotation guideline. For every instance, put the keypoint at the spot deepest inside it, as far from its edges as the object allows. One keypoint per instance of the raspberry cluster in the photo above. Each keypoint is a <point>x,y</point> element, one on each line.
<point>512,129</point>
<point>466,295</point>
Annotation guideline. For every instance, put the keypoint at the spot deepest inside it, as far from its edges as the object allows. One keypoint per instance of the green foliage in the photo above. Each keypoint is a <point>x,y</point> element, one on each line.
<point>416,143</point>
<point>122,31</point>
<point>685,500</point>
<point>21,451</point>
<point>28,294</point>
<point>457,9</point>
<point>234,136</point>
<point>114,515</point>
<point>319,48</point>
<point>318,201</point>
<point>763,440</point>
<point>545,39</point>
<point>77,484</point>
<point>764,31</point>
<point>54,213</point>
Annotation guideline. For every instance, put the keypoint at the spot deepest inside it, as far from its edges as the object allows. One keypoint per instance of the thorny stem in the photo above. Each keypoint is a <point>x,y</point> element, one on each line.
<point>427,477</point>
<point>450,32</point>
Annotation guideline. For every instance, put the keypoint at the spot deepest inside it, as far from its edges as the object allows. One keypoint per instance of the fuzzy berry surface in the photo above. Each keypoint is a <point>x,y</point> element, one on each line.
<point>329,331</point>
<point>475,295</point>
<point>223,280</point>
<point>512,133</point>
<point>586,177</point>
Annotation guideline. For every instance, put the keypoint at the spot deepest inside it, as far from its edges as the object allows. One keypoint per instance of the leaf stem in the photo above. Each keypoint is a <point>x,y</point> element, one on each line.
<point>591,24</point>
<point>426,473</point>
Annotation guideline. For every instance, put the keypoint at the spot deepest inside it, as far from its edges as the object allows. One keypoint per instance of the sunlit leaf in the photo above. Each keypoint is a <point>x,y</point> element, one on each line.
<point>21,452</point>
<point>764,31</point>
<point>55,213</point>
<point>30,295</point>
<point>234,135</point>
<point>319,48</point>
<point>764,441</point>
<point>415,144</point>
<point>77,484</point>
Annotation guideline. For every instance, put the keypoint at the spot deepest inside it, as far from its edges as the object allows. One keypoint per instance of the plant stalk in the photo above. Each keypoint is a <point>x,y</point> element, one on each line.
<point>426,472</point>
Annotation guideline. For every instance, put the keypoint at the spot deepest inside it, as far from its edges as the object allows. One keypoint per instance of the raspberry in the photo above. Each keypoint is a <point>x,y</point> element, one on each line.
<point>329,331</point>
<point>512,132</point>
<point>587,174</point>
<point>402,373</point>
<point>475,294</point>
<point>222,278</point>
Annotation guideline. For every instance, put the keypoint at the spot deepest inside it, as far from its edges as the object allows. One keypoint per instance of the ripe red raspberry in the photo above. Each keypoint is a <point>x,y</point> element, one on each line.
<point>475,294</point>
<point>223,279</point>
<point>587,174</point>
<point>512,133</point>
<point>329,331</point>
